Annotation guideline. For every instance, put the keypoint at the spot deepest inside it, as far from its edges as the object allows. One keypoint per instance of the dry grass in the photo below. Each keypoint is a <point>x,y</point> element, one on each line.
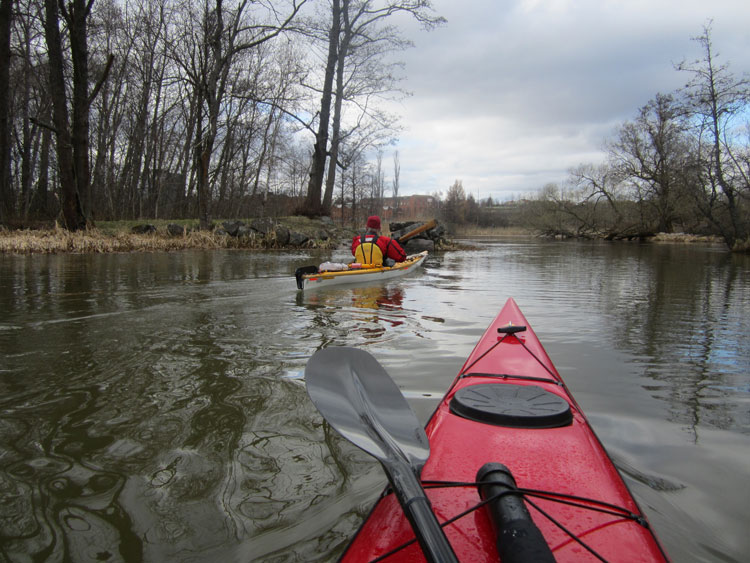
<point>683,238</point>
<point>120,239</point>
<point>474,231</point>
<point>94,241</point>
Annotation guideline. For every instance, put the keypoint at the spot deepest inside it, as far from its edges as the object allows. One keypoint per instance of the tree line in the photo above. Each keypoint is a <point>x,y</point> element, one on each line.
<point>194,108</point>
<point>682,165</point>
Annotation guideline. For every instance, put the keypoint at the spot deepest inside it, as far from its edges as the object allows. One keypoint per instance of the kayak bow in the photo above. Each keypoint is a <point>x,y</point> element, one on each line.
<point>512,455</point>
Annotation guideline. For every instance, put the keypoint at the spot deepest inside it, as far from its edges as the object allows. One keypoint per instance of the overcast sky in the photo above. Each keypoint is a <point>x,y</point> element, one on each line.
<point>510,94</point>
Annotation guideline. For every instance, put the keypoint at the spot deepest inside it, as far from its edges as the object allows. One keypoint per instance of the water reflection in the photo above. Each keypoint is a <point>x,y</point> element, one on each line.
<point>146,412</point>
<point>55,501</point>
<point>686,324</point>
<point>385,303</point>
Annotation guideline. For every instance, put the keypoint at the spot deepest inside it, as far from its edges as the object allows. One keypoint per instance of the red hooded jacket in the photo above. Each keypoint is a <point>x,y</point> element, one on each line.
<point>388,246</point>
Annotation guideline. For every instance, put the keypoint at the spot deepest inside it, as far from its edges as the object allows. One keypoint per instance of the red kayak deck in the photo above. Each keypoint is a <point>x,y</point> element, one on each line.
<point>568,459</point>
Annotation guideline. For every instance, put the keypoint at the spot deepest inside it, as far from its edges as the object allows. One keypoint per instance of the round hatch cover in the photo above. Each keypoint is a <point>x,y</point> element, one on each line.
<point>518,406</point>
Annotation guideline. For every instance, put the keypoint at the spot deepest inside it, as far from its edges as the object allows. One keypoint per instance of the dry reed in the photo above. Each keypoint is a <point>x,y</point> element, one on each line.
<point>683,238</point>
<point>55,241</point>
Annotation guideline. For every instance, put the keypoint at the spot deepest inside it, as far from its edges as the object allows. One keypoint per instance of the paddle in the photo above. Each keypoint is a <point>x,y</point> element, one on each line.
<point>362,403</point>
<point>426,227</point>
<point>303,271</point>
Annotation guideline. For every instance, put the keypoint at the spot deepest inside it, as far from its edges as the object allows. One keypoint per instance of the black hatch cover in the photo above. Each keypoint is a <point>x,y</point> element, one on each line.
<point>517,406</point>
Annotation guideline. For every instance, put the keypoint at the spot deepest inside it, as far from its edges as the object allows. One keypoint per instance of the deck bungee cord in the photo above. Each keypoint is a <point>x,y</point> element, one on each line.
<point>508,331</point>
<point>552,496</point>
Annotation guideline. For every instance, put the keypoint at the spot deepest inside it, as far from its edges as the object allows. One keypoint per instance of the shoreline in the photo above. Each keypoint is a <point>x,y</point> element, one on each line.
<point>287,233</point>
<point>97,242</point>
<point>292,233</point>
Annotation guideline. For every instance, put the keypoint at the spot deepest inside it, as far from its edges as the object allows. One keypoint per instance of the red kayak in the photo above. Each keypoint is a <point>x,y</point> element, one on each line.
<point>508,406</point>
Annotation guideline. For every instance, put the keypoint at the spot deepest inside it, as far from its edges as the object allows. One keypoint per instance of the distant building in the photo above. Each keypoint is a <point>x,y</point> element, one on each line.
<point>410,207</point>
<point>407,207</point>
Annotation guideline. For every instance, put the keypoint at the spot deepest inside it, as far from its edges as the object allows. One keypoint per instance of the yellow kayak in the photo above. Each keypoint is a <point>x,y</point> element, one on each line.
<point>309,277</point>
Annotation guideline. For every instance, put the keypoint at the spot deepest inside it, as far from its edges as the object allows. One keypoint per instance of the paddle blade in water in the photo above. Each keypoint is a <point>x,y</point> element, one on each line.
<point>359,399</point>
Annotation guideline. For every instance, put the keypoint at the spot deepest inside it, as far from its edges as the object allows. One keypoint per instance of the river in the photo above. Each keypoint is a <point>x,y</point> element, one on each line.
<point>152,405</point>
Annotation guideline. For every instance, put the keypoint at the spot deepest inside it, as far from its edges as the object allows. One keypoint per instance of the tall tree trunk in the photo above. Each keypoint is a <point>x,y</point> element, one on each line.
<point>72,211</point>
<point>203,149</point>
<point>41,203</point>
<point>336,129</point>
<point>263,151</point>
<point>202,155</point>
<point>7,207</point>
<point>228,148</point>
<point>271,158</point>
<point>78,32</point>
<point>396,182</point>
<point>186,170</point>
<point>212,85</point>
<point>320,149</point>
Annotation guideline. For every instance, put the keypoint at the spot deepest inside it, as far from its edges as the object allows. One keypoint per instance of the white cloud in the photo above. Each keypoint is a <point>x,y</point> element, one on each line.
<point>509,95</point>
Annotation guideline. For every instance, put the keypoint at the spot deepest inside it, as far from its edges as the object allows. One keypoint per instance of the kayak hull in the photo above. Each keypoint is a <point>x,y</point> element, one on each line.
<point>567,459</point>
<point>364,275</point>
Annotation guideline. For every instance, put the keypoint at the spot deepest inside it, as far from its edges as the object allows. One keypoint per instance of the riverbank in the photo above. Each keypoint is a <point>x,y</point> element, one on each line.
<point>153,236</point>
<point>284,233</point>
<point>491,233</point>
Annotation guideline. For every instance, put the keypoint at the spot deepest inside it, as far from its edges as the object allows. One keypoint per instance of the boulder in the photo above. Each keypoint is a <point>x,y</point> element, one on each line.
<point>175,230</point>
<point>438,232</point>
<point>401,227</point>
<point>232,227</point>
<point>297,239</point>
<point>243,231</point>
<point>263,226</point>
<point>146,229</point>
<point>282,235</point>
<point>415,245</point>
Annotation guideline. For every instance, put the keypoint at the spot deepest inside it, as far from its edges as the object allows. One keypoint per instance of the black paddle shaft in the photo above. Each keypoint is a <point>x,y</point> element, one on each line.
<point>418,510</point>
<point>362,403</point>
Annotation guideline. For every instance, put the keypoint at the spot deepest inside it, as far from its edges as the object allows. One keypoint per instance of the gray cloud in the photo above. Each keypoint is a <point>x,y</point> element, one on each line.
<point>509,95</point>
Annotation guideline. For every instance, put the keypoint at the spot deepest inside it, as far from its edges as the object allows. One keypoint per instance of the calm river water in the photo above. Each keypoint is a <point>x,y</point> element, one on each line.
<point>152,406</point>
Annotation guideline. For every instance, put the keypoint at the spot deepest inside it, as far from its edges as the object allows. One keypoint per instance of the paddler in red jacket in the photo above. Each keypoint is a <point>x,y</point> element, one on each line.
<point>376,249</point>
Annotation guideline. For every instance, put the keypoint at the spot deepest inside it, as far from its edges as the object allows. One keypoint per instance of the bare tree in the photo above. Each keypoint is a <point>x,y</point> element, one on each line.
<point>72,126</point>
<point>7,207</point>
<point>73,215</point>
<point>715,98</point>
<point>653,152</point>
<point>396,182</point>
<point>357,30</point>
<point>379,178</point>
<point>313,204</point>
<point>195,110</point>
<point>362,75</point>
<point>454,208</point>
<point>225,34</point>
<point>597,202</point>
<point>26,102</point>
<point>129,113</point>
